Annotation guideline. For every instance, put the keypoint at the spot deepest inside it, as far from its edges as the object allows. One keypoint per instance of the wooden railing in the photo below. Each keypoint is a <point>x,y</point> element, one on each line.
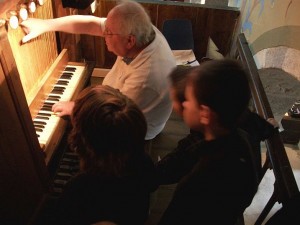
<point>285,186</point>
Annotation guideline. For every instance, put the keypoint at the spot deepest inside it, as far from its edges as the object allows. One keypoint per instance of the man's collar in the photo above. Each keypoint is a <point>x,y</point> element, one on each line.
<point>127,60</point>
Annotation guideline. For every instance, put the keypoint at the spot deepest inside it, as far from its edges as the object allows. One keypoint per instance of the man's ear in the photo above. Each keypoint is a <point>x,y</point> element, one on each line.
<point>131,41</point>
<point>205,114</point>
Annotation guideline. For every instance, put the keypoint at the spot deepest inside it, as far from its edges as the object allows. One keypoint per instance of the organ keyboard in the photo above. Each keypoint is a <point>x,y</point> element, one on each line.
<point>62,83</point>
<point>46,121</point>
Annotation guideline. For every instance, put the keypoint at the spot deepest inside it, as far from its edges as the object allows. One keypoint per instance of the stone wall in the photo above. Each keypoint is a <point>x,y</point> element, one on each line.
<point>287,59</point>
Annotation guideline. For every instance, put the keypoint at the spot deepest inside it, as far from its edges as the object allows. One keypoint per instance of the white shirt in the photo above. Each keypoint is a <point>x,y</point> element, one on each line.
<point>145,81</point>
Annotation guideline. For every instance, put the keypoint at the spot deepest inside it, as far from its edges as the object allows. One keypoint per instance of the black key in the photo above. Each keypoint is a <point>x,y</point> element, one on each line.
<point>68,77</point>
<point>70,69</point>
<point>59,88</point>
<point>62,82</point>
<point>39,122</point>
<point>68,74</point>
<point>53,98</point>
<point>42,118</point>
<point>57,92</point>
<point>38,130</point>
<point>47,106</point>
<point>39,126</point>
<point>44,114</point>
<point>49,109</point>
<point>48,103</point>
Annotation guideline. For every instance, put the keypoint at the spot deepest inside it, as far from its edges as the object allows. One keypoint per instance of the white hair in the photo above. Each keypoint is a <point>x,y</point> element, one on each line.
<point>134,20</point>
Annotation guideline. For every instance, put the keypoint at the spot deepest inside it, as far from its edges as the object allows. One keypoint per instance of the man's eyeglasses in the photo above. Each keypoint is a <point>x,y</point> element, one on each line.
<point>107,32</point>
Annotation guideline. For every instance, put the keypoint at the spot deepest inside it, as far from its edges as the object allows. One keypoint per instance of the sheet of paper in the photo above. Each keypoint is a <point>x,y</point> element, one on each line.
<point>185,57</point>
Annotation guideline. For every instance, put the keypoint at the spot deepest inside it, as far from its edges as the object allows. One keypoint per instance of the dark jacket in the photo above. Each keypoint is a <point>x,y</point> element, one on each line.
<point>219,186</point>
<point>89,198</point>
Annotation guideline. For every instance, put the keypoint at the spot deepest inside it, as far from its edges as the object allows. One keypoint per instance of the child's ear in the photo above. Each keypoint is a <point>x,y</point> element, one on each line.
<point>205,114</point>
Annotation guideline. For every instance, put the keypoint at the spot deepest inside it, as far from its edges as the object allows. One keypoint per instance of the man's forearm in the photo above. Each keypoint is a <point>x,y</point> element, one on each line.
<point>77,24</point>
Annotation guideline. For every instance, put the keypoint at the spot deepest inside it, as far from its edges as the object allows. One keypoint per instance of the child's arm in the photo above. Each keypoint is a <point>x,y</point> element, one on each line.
<point>181,160</point>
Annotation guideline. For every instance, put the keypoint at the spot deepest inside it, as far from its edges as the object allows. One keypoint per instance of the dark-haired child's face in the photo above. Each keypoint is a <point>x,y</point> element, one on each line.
<point>177,105</point>
<point>191,109</point>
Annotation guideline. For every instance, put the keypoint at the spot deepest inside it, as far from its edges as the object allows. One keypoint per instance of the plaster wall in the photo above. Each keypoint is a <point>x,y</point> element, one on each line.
<point>272,28</point>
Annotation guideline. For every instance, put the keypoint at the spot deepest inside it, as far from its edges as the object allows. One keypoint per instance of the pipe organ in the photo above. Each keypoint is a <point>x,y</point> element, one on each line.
<point>33,76</point>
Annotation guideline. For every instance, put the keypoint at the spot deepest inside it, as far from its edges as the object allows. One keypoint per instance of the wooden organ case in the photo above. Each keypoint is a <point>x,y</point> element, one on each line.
<point>29,74</point>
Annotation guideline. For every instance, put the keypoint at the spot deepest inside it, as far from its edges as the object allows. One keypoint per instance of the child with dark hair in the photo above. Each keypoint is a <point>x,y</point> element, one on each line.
<point>172,167</point>
<point>258,129</point>
<point>221,180</point>
<point>116,175</point>
<point>178,78</point>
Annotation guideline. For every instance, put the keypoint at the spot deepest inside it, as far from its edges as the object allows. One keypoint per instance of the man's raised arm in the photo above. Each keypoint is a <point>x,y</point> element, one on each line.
<point>75,24</point>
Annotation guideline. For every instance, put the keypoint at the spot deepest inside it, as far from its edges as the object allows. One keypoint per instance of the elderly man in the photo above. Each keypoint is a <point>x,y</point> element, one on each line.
<point>144,58</point>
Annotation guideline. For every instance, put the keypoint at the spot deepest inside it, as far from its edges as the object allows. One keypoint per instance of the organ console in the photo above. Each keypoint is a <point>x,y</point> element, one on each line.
<point>33,76</point>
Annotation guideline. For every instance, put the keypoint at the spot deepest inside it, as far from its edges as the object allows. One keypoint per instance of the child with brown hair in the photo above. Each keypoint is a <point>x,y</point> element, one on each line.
<point>117,176</point>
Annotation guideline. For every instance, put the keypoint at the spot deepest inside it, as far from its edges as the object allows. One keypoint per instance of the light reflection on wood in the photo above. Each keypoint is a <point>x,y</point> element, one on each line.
<point>34,58</point>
